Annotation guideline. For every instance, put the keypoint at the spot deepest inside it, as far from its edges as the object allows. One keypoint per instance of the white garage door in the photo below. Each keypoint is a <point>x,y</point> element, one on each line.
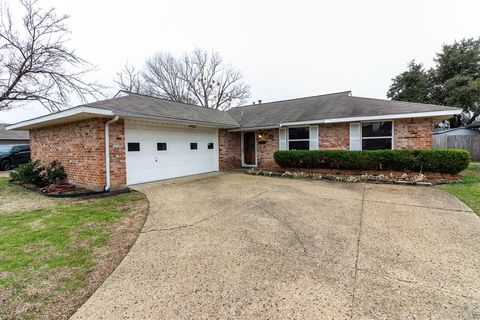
<point>157,152</point>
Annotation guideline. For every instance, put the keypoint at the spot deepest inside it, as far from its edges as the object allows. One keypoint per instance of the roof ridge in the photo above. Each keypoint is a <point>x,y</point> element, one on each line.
<point>163,99</point>
<point>318,95</point>
<point>403,102</point>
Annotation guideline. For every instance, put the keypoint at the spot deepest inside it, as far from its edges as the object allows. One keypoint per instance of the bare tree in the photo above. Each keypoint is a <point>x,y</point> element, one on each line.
<point>163,78</point>
<point>198,77</point>
<point>130,79</point>
<point>36,65</point>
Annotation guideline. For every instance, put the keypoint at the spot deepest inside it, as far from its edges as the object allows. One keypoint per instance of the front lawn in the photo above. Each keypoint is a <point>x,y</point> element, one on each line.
<point>54,253</point>
<point>468,191</point>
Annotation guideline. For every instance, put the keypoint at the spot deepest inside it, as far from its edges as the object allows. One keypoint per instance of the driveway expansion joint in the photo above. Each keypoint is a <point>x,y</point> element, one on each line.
<point>356,269</point>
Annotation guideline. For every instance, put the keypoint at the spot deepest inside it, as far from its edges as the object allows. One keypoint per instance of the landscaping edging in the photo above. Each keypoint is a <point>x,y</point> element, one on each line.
<point>418,179</point>
<point>80,195</point>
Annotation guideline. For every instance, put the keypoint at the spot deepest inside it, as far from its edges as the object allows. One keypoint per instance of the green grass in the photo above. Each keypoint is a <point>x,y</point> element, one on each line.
<point>468,190</point>
<point>50,251</point>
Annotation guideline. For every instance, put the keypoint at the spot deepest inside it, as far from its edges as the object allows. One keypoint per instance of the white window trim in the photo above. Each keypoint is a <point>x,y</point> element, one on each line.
<point>382,137</point>
<point>295,140</point>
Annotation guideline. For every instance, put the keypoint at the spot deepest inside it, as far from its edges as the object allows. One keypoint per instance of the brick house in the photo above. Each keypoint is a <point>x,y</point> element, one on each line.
<point>133,138</point>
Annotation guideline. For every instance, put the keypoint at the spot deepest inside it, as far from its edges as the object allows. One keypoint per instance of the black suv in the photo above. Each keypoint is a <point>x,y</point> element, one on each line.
<point>13,155</point>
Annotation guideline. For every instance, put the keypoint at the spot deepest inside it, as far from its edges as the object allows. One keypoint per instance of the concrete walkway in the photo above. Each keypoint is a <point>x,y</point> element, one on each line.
<point>236,246</point>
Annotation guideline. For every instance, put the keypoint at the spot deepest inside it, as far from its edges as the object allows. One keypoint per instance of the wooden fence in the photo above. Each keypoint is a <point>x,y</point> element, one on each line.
<point>469,143</point>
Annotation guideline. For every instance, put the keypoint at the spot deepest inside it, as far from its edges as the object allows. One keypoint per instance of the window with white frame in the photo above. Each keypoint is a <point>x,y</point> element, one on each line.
<point>377,135</point>
<point>299,138</point>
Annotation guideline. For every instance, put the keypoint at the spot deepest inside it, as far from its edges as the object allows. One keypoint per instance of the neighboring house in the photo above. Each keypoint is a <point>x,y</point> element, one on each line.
<point>12,137</point>
<point>457,132</point>
<point>152,139</point>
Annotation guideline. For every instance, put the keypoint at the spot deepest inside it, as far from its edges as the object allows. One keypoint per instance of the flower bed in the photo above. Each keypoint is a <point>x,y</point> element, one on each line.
<point>390,177</point>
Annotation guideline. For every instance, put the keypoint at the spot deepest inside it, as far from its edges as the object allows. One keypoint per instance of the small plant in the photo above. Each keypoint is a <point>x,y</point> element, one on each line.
<point>54,172</point>
<point>34,173</point>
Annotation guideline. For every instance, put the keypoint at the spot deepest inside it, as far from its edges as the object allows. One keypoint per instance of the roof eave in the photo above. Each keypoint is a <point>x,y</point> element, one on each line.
<point>438,115</point>
<point>84,112</point>
<point>74,114</point>
<point>14,139</point>
<point>254,128</point>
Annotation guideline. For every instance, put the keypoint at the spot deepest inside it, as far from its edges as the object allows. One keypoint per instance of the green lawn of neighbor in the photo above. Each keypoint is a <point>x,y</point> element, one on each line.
<point>468,190</point>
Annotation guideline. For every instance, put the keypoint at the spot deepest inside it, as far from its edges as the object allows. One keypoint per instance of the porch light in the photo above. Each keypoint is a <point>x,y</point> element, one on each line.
<point>260,138</point>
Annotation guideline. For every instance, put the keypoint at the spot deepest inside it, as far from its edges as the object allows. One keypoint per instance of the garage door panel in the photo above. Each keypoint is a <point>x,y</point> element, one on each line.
<point>150,164</point>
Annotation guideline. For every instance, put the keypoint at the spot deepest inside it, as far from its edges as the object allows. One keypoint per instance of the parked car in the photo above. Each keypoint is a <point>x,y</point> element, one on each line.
<point>13,155</point>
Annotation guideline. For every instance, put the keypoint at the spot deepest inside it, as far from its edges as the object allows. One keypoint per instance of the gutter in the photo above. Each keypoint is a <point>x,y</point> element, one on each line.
<point>107,152</point>
<point>253,128</point>
<point>429,114</point>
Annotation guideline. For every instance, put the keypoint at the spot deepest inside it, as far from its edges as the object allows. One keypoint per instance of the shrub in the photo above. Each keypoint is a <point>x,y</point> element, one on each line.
<point>55,172</point>
<point>36,174</point>
<point>29,173</point>
<point>435,160</point>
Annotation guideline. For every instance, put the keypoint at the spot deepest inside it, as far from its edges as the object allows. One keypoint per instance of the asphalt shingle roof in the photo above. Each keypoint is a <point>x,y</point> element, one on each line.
<point>12,135</point>
<point>328,106</point>
<point>141,105</point>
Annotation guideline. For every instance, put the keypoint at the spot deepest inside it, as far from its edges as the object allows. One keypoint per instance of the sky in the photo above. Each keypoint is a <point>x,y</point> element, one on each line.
<point>284,49</point>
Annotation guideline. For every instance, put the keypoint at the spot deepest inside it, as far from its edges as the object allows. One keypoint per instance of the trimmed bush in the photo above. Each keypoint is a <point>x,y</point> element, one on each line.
<point>434,160</point>
<point>29,173</point>
<point>35,173</point>
<point>54,172</point>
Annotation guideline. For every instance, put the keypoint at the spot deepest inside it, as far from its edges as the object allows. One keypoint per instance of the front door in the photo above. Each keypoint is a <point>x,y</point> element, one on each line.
<point>249,149</point>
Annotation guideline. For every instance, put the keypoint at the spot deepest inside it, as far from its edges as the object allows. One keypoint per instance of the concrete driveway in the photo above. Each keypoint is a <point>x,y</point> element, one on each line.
<point>236,246</point>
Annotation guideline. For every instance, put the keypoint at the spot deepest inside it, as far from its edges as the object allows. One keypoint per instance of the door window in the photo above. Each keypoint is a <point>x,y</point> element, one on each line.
<point>133,146</point>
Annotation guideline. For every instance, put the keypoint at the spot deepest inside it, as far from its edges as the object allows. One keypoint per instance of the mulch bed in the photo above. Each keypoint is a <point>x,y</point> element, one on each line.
<point>64,189</point>
<point>373,176</point>
<point>398,174</point>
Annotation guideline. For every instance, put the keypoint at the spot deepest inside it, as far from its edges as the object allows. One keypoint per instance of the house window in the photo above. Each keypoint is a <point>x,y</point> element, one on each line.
<point>299,138</point>
<point>161,146</point>
<point>210,145</point>
<point>193,146</point>
<point>377,135</point>
<point>133,146</point>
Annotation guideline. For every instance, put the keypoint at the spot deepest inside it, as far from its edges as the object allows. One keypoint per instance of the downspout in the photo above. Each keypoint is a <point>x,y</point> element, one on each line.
<point>107,152</point>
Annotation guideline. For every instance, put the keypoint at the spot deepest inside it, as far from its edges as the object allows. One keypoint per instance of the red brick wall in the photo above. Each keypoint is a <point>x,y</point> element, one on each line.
<point>266,149</point>
<point>413,133</point>
<point>80,147</point>
<point>229,149</point>
<point>334,136</point>
<point>408,134</point>
<point>118,163</point>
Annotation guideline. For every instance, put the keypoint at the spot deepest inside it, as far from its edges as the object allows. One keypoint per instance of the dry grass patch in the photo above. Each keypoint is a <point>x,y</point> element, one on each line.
<point>15,198</point>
